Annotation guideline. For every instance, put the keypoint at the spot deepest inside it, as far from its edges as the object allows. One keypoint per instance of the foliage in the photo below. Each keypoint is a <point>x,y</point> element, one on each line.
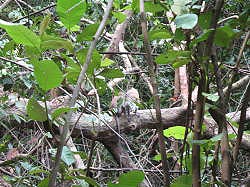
<point>42,54</point>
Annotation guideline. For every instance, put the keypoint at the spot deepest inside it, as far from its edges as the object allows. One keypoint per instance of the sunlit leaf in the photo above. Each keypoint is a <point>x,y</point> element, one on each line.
<point>176,132</point>
<point>21,34</point>
<point>179,6</point>
<point>119,16</point>
<point>130,179</point>
<point>186,21</point>
<point>106,62</point>
<point>47,74</point>
<point>70,12</point>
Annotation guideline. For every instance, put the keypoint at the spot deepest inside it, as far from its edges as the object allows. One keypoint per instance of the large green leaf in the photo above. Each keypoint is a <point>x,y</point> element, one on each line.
<point>159,34</point>
<point>70,11</point>
<point>21,34</point>
<point>35,111</point>
<point>88,33</point>
<point>204,20</point>
<point>67,155</point>
<point>177,132</point>
<point>179,6</point>
<point>52,42</point>
<point>186,21</point>
<point>47,74</point>
<point>224,36</point>
<point>130,179</point>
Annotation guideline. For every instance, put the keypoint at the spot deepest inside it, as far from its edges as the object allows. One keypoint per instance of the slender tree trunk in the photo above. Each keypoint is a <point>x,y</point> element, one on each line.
<point>198,120</point>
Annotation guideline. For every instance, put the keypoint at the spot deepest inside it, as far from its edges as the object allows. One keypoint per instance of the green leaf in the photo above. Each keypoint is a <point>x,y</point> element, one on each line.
<point>38,171</point>
<point>112,73</point>
<point>130,179</point>
<point>73,70</point>
<point>88,33</point>
<point>106,62</point>
<point>182,181</point>
<point>119,16</point>
<point>43,183</point>
<point>224,36</point>
<point>95,60</point>
<point>60,111</point>
<point>52,42</point>
<point>159,34</point>
<point>205,20</point>
<point>179,6</point>
<point>21,34</point>
<point>47,74</point>
<point>33,53</point>
<point>177,132</point>
<point>35,111</point>
<point>212,97</point>
<point>179,35</point>
<point>231,136</point>
<point>181,62</point>
<point>67,156</point>
<point>157,157</point>
<point>172,56</point>
<point>44,24</point>
<point>204,36</point>
<point>153,7</point>
<point>70,12</point>
<point>135,6</point>
<point>186,21</point>
<point>101,85</point>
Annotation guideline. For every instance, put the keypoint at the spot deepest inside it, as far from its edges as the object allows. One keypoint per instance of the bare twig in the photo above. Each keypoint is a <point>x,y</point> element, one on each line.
<point>63,137</point>
<point>152,70</point>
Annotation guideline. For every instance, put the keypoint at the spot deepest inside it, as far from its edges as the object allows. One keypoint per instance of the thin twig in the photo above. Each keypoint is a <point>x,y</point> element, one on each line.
<point>152,73</point>
<point>63,137</point>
